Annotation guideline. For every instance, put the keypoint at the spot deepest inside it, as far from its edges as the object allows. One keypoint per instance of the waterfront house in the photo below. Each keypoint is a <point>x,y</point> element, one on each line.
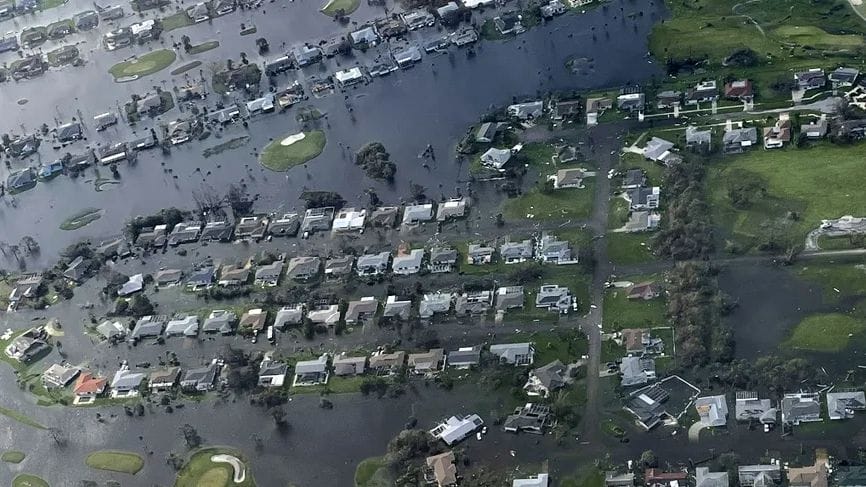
<point>186,325</point>
<point>200,379</point>
<point>414,214</point>
<point>531,418</point>
<point>217,231</point>
<point>442,470</point>
<point>509,297</point>
<point>801,408</point>
<point>514,353</point>
<point>496,158</point>
<point>285,226</point>
<point>311,372</point>
<point>811,79</point>
<point>349,220</point>
<point>88,387</point>
<point>59,375</point>
<point>126,383</point>
<point>842,404</point>
<point>526,111</point>
<point>705,91</point>
<point>163,379</point>
<point>254,227</point>
<point>456,428</point>
<point>739,90</point>
<point>220,321</point>
<point>349,365</point>
<point>271,372</point>
<point>184,232</point>
<point>317,219</point>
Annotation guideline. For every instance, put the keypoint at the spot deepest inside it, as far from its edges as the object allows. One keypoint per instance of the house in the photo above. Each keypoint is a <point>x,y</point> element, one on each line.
<point>349,365</point>
<point>641,342</point>
<point>464,358</point>
<point>201,379</point>
<point>815,475</point>
<point>327,314</point>
<point>613,479</point>
<point>373,264</point>
<point>569,178</point>
<point>810,80</point>
<point>407,56</point>
<point>349,220</point>
<point>407,264</point>
<point>76,269</point>
<point>478,254</point>
<point>531,418</point>
<point>508,24</point>
<point>748,407</point>
<point>668,99</point>
<point>269,275</point>
<point>223,7</point>
<point>253,320</point>
<point>305,55</point>
<point>361,310</point>
<point>641,221</point>
<point>364,37</point>
<point>303,268</point>
<point>637,371</point>
<point>387,363</point>
<point>554,298</point>
<point>397,308</point>
<point>779,134</point>
<point>112,153</point>
<point>514,353</point>
<point>647,406</point>
<point>696,138</point>
<point>288,316</point>
<point>554,251</point>
<point>285,226</point>
<point>272,373</point>
<point>595,106</point>
<point>86,20</point>
<point>414,214</point>
<point>217,231</point>
<point>643,198</point>
<point>104,120</point>
<point>126,383</point>
<point>167,277</point>
<point>496,158</point>
<point>509,297</point>
<point>739,90</point>
<point>476,302</point>
<point>705,478</point>
<point>148,327</point>
<point>630,102</point>
<point>657,149</point>
<point>186,325</point>
<point>427,363</point>
<point>634,178</point>
<point>565,110</point>
<point>253,227</point>
<point>349,77</point>
<point>525,111</point>
<point>163,379</point>
<point>432,303</point>
<point>180,131</point>
<point>644,291</point>
<point>384,216</point>
<point>442,259</point>
<point>201,278</point>
<point>656,477</point>
<point>235,274</point>
<point>220,321</point>
<point>69,132</point>
<point>317,219</point>
<point>516,252</point>
<point>759,475</point>
<point>800,408</point>
<point>816,129</point>
<point>540,480</point>
<point>111,330</point>
<point>132,286</point>
<point>59,375</point>
<point>443,469</point>
<point>842,404</point>
<point>184,232</point>
<point>738,140</point>
<point>843,77</point>
<point>456,428</point>
<point>546,379</point>
<point>155,236</point>
<point>418,18</point>
<point>851,476</point>
<point>452,208</point>
<point>311,372</point>
<point>712,410</point>
<point>88,387</point>
<point>486,132</point>
<point>339,266</point>
<point>702,92</point>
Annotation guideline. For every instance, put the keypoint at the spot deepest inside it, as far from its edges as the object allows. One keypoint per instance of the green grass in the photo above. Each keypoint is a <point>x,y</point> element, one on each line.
<point>115,461</point>
<point>203,47</point>
<point>654,172</point>
<point>842,242</point>
<point>278,157</point>
<point>560,204</point>
<point>200,471</point>
<point>815,37</point>
<point>186,67</point>
<point>564,345</point>
<point>144,65</point>
<point>335,385</point>
<point>849,279</point>
<point>46,4</point>
<point>824,333</point>
<point>372,472</point>
<point>28,480</point>
<point>795,183</point>
<point>21,418</point>
<point>81,219</point>
<point>13,456</point>
<point>176,21</point>
<point>620,312</point>
<point>629,248</point>
<point>586,477</point>
<point>334,6</point>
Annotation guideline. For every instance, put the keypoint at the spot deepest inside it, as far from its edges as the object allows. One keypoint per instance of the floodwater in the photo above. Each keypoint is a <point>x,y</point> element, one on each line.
<point>431,103</point>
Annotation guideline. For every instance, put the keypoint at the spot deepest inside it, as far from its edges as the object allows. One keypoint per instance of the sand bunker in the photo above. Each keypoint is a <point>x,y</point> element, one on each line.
<point>292,139</point>
<point>240,473</point>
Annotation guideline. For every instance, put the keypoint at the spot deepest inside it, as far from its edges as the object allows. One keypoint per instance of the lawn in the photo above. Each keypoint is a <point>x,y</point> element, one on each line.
<point>203,47</point>
<point>818,183</point>
<point>200,471</point>
<point>372,472</point>
<point>560,204</point>
<point>629,248</point>
<point>621,312</point>
<point>21,418</point>
<point>654,172</point>
<point>587,477</point>
<point>279,157</point>
<point>567,346</point>
<point>345,7</point>
<point>186,67</point>
<point>144,65</point>
<point>176,21</point>
<point>335,385</point>
<point>115,461</point>
<point>849,279</point>
<point>81,219</point>
<point>824,333</point>
<point>12,456</point>
<point>46,4</point>
<point>28,480</point>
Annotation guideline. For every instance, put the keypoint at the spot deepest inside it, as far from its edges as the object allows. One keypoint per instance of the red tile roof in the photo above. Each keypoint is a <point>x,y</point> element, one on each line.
<point>87,383</point>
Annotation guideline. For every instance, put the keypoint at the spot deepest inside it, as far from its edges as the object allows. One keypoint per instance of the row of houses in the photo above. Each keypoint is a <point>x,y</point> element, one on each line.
<point>759,475</point>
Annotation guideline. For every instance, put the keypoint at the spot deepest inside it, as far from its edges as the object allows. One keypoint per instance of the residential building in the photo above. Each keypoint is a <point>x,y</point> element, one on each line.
<point>668,99</point>
<point>801,408</point>
<point>815,475</point>
<point>373,264</point>
<point>217,231</point>
<point>387,363</point>
<point>478,254</point>
<point>509,23</point>
<point>201,379</point>
<point>306,55</point>
<point>644,291</point>
<point>289,316</point>
<point>456,428</point>
<point>637,371</point>
<point>432,303</point>
<point>842,404</point>
<point>486,132</point>
<point>712,410</point>
<point>516,252</point>
<point>452,208</point>
<point>339,266</point>
<point>364,37</point>
<point>442,259</point>
<point>384,216</point>
<point>476,302</point>
<point>59,375</point>
<point>526,111</point>
<point>811,79</point>
<point>183,326</point>
<point>349,77</point>
<point>349,365</point>
<point>254,227</point>
<point>844,77</point>
<point>76,269</point>
<point>201,278</point>
<point>126,383</point>
<point>415,214</point>
<point>851,476</point>
<point>496,158</point>
<point>642,221</point>
<point>643,198</point>
<point>697,138</point>
<point>168,277</point>
<point>705,478</point>
<point>407,264</point>
<point>613,479</point>
<point>509,297</point>
<point>317,220</point>
<point>148,327</point>
<point>407,56</point>
<point>349,220</point>
<point>253,320</point>
<point>442,469</point>
<point>531,418</point>
<point>361,310</point>
<point>554,251</point>
<point>311,372</point>
<point>554,298</point>
<point>641,342</point>
<point>163,379</point>
<point>427,363</point>
<point>630,102</point>
<point>735,141</point>
<point>269,275</point>
<point>739,90</point>
<point>220,321</point>
<point>705,91</point>
<point>779,134</point>
<point>815,129</point>
<point>285,226</point>
<point>303,268</point>
<point>759,475</point>
<point>514,353</point>
<point>88,387</point>
<point>397,308</point>
<point>654,477</point>
<point>112,330</point>
<point>657,149</point>
<point>326,314</point>
<point>272,373</point>
<point>634,178</point>
<point>235,274</point>
<point>546,379</point>
<point>464,357</point>
<point>748,407</point>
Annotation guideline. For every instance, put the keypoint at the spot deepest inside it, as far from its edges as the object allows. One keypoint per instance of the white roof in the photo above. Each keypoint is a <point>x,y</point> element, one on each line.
<point>455,429</point>
<point>540,480</point>
<point>349,219</point>
<point>348,75</point>
<point>476,3</point>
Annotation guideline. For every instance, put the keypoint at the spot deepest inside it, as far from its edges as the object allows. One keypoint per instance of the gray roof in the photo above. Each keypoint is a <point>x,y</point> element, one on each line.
<point>364,35</point>
<point>289,315</point>
<point>551,247</point>
<point>399,308</point>
<point>478,250</point>
<point>378,261</point>
<point>705,478</point>
<point>509,297</point>
<point>551,295</point>
<point>713,410</point>
<point>339,265</point>
<point>221,230</point>
<point>736,136</point>
<point>384,216</point>
<point>149,326</point>
<point>287,224</point>
<point>109,329</point>
<point>509,351</point>
<point>317,366</point>
<point>302,267</point>
<point>697,136</point>
<point>408,262</point>
<point>839,404</point>
<point>202,376</point>
<point>656,147</point>
<point>126,380</point>
<point>186,326</point>
<point>552,375</point>
<point>418,213</point>
<point>75,270</point>
<point>516,250</point>
<point>434,303</point>
<point>409,54</point>
<point>635,370</point>
<point>306,54</point>
<point>221,321</point>
<point>748,406</point>
<point>272,368</point>
<point>317,219</point>
<point>800,407</point>
<point>443,255</point>
<point>270,272</point>
<point>472,356</point>
<point>201,277</point>
<point>168,276</point>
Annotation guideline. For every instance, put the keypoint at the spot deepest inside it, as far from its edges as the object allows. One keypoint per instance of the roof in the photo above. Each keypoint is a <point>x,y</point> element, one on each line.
<point>509,297</point>
<point>443,255</point>
<point>164,376</point>
<point>840,403</point>
<point>444,469</point>
<point>254,319</point>
<point>219,320</point>
<point>697,136</point>
<point>365,34</point>
<point>551,376</point>
<point>301,267</point>
<point>432,303</point>
<point>516,250</point>
<point>379,260</point>
<point>126,380</point>
<point>289,315</point>
<point>408,261</point>
<point>737,136</point>
<point>429,360</point>
<point>705,478</point>
<point>133,285</point>
<point>456,428</point>
<point>748,406</point>
<point>393,359</point>
<point>395,307</point>
<point>109,329</point>
<point>167,276</point>
<point>417,213</point>
<point>496,157</point>
<point>87,383</point>
<point>800,407</point>
<point>655,148</point>
<point>270,271</point>
<point>187,326</point>
<point>325,314</point>
<point>713,410</point>
<point>531,109</point>
<point>453,208</point>
<point>317,366</point>
<point>738,88</point>
<point>200,376</point>
<point>465,356</point>
<point>364,306</point>
<point>510,351</point>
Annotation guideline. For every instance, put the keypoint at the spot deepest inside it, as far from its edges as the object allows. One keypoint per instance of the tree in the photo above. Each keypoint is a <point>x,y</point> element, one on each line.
<point>376,161</point>
<point>279,415</point>
<point>321,199</point>
<point>648,459</point>
<point>190,436</point>
<point>58,435</point>
<point>30,245</point>
<point>416,192</point>
<point>187,44</point>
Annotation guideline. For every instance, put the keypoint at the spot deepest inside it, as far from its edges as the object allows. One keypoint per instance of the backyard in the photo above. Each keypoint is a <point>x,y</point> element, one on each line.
<point>541,203</point>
